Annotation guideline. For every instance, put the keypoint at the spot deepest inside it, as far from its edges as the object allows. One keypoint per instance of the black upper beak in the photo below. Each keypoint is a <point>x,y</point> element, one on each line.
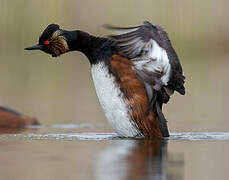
<point>35,47</point>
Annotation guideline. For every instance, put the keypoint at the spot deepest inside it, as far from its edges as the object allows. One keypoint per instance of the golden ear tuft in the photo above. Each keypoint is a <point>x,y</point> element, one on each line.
<point>59,45</point>
<point>56,34</point>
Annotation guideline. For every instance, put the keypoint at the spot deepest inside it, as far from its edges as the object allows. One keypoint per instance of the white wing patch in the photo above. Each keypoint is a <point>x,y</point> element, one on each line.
<point>155,60</point>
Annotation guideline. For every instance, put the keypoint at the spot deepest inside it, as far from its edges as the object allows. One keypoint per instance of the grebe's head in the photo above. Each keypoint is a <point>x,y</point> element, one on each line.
<point>52,41</point>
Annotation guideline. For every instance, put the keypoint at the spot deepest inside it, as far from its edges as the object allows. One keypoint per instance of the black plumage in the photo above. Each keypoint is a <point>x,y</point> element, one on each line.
<point>48,32</point>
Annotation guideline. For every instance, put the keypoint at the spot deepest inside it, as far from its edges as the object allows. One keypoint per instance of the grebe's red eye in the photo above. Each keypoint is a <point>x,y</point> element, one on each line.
<point>46,42</point>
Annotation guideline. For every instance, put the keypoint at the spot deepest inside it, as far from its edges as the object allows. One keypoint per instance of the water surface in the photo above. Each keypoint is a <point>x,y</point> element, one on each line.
<point>43,153</point>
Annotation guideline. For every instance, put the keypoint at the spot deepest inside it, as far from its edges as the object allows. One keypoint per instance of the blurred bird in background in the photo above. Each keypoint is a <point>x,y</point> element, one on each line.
<point>12,121</point>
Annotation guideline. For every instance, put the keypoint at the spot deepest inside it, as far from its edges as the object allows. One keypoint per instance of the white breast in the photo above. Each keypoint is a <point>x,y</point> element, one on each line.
<point>111,100</point>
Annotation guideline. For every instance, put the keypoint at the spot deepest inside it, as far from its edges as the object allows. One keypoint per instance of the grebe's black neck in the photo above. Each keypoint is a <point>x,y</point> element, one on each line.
<point>95,48</point>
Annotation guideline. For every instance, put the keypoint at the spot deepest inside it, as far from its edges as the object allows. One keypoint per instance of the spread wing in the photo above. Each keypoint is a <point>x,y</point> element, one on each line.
<point>154,59</point>
<point>155,63</point>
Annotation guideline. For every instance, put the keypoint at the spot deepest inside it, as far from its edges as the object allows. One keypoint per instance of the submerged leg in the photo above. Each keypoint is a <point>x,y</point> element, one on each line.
<point>162,121</point>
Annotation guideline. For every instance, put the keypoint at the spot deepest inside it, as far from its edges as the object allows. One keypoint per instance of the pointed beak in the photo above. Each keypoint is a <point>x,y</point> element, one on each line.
<point>35,47</point>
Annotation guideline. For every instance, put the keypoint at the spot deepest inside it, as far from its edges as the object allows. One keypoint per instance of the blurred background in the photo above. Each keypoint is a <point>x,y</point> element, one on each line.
<point>60,90</point>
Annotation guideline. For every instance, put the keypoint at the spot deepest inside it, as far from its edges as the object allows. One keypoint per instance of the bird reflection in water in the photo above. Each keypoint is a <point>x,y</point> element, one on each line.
<point>138,160</point>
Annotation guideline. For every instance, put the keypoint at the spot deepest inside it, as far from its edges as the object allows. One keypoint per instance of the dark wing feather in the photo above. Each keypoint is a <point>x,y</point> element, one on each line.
<point>132,40</point>
<point>136,44</point>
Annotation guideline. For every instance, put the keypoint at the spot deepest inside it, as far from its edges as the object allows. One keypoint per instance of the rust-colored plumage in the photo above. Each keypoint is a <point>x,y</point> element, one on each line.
<point>135,96</point>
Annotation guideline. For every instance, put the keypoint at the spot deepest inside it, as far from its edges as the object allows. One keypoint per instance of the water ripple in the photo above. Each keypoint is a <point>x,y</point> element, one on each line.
<point>200,136</point>
<point>184,136</point>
